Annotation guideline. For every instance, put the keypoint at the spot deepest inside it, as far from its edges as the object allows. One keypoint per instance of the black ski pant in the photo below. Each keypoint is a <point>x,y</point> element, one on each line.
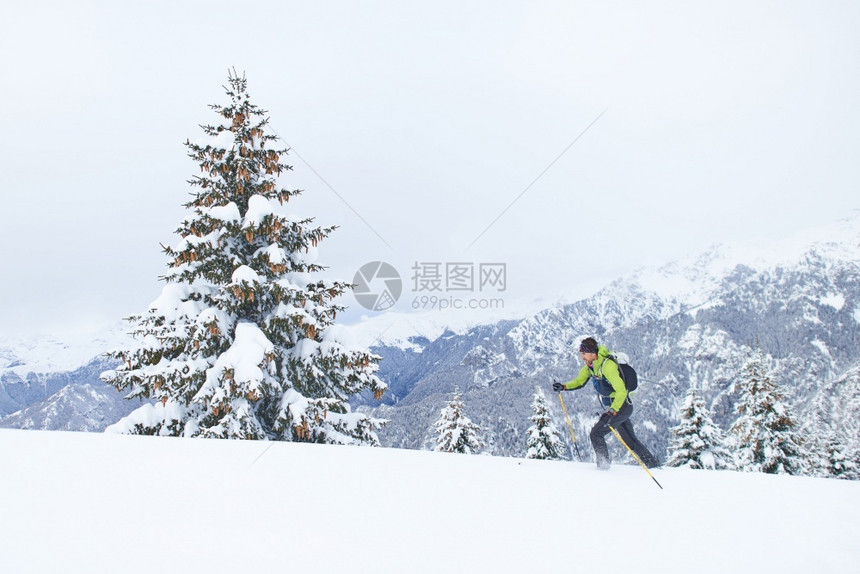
<point>621,423</point>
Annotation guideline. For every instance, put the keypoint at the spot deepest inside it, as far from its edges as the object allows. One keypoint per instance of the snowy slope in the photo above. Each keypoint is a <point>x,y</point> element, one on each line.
<point>75,502</point>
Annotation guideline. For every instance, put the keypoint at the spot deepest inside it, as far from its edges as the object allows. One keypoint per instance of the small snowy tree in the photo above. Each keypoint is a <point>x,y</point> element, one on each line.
<point>697,442</point>
<point>544,439</point>
<point>838,457</point>
<point>457,433</point>
<point>764,433</point>
<point>238,344</point>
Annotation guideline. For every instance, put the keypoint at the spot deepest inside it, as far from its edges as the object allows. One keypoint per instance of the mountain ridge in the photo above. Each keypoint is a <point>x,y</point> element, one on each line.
<point>686,323</point>
<point>800,305</point>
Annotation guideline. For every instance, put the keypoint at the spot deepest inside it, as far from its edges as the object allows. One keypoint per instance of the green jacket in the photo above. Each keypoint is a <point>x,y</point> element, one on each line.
<point>607,376</point>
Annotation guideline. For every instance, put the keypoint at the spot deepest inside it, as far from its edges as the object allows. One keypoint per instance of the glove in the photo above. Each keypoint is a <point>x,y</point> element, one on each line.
<point>607,418</point>
<point>558,387</point>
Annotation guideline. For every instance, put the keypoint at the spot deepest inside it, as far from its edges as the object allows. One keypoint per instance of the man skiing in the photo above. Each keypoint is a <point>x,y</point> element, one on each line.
<point>604,375</point>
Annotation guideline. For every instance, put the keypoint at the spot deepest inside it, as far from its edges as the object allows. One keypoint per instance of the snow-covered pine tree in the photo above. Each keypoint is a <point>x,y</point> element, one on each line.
<point>764,436</point>
<point>457,433</point>
<point>838,457</point>
<point>544,440</point>
<point>238,344</point>
<point>855,461</point>
<point>697,442</point>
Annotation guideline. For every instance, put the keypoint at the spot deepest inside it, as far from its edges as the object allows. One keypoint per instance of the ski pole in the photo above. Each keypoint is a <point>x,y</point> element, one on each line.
<point>635,456</point>
<point>569,427</point>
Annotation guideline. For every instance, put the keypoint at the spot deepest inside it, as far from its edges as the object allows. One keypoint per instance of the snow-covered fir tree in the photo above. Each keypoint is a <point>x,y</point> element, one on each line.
<point>764,436</point>
<point>457,433</point>
<point>837,456</point>
<point>544,440</point>
<point>238,344</point>
<point>697,442</point>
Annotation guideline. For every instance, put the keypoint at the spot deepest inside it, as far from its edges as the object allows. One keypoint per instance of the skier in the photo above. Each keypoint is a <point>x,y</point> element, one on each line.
<point>613,396</point>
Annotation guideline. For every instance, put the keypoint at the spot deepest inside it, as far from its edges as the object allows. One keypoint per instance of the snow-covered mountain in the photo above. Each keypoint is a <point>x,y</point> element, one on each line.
<point>689,323</point>
<point>89,407</point>
<point>52,383</point>
<point>53,354</point>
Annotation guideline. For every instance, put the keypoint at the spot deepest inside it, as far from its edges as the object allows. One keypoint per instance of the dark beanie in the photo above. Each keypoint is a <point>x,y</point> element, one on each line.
<point>588,345</point>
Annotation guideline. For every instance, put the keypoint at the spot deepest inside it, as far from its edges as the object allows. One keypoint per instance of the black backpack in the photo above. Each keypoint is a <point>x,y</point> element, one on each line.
<point>627,372</point>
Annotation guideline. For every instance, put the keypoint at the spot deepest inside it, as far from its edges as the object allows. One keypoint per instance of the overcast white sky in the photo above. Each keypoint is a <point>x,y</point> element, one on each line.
<point>723,121</point>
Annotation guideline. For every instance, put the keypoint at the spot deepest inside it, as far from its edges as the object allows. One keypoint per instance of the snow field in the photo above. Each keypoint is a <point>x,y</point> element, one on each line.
<point>80,502</point>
